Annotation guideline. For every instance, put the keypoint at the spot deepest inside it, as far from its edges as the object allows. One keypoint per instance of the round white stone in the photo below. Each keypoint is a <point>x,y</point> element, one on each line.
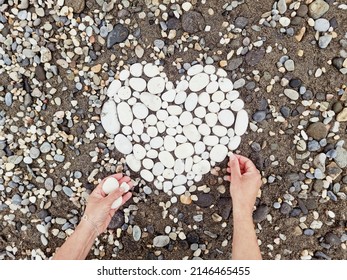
<point>110,185</point>
<point>156,142</point>
<point>211,119</point>
<point>153,102</point>
<point>226,118</point>
<point>237,105</point>
<point>192,133</point>
<point>184,151</point>
<point>196,69</point>
<point>219,130</point>
<point>218,153</point>
<point>109,118</point>
<point>124,93</point>
<point>124,75</point>
<point>169,143</point>
<point>140,111</point>
<point>139,152</point>
<point>158,169</point>
<point>169,96</point>
<point>181,97</point>
<point>199,147</point>
<point>204,129</point>
<point>209,69</point>
<point>113,88</point>
<point>202,167</point>
<point>151,70</point>
<point>147,175</point>
<point>225,84</point>
<point>166,159</point>
<point>211,140</point>
<point>124,113</point>
<point>199,82</point>
<point>179,190</point>
<point>156,85</point>
<point>191,101</point>
<point>123,144</point>
<point>212,87</point>
<point>186,118</point>
<point>234,143</point>
<point>218,96</point>
<point>136,69</point>
<point>137,84</point>
<point>241,122</point>
<point>204,99</point>
<point>138,127</point>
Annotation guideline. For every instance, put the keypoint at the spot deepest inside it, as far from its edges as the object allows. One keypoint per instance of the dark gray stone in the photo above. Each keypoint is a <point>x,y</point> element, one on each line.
<point>117,220</point>
<point>241,22</point>
<point>259,116</point>
<point>317,131</point>
<point>204,200</point>
<point>234,63</point>
<point>224,205</point>
<point>260,213</point>
<point>193,22</point>
<point>285,208</point>
<point>118,35</point>
<point>309,232</point>
<point>253,57</point>
<point>77,5</point>
<point>332,239</point>
<point>40,73</point>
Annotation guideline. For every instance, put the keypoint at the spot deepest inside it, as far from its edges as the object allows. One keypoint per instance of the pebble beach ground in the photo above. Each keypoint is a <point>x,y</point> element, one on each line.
<point>162,91</point>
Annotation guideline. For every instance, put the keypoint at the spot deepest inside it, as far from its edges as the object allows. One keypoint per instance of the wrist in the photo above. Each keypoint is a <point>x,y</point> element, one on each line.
<point>88,227</point>
<point>242,212</point>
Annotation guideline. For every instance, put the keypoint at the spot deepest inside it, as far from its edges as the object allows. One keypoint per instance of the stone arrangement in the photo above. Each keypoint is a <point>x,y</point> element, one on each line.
<point>172,133</point>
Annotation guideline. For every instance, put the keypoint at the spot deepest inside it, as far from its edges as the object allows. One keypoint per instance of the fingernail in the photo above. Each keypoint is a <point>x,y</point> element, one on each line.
<point>125,187</point>
<point>232,156</point>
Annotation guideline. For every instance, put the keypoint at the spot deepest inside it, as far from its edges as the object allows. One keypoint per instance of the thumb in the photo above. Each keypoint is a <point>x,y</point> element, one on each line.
<point>234,167</point>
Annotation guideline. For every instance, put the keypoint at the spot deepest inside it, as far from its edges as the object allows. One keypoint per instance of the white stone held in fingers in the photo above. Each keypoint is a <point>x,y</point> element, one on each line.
<point>110,185</point>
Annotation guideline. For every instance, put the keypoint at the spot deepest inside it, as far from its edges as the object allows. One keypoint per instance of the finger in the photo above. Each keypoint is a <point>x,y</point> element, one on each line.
<point>246,164</point>
<point>125,198</point>
<point>118,176</point>
<point>234,167</point>
<point>111,197</point>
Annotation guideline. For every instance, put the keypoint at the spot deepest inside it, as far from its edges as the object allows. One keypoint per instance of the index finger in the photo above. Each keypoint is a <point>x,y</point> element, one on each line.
<point>246,164</point>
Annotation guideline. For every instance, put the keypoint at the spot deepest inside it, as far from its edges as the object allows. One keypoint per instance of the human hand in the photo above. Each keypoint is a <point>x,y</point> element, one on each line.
<point>245,181</point>
<point>98,210</point>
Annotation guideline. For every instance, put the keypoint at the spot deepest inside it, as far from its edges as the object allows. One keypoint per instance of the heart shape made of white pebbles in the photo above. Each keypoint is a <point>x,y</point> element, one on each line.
<point>173,133</point>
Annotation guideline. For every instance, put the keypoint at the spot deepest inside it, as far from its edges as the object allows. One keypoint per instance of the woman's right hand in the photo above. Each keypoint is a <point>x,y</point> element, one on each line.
<point>245,182</point>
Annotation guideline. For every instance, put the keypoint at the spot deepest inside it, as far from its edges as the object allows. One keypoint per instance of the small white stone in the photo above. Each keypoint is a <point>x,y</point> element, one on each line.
<point>218,153</point>
<point>226,118</point>
<point>212,87</point>
<point>234,143</point>
<point>218,96</point>
<point>225,84</point>
<point>219,130</point>
<point>153,102</point>
<point>137,84</point>
<point>199,147</point>
<point>179,190</point>
<point>117,203</point>
<point>204,99</point>
<point>140,111</point>
<point>209,69</point>
<point>191,101</point>
<point>139,152</point>
<point>124,92</point>
<point>136,69</point>
<point>211,119</point>
<point>169,143</point>
<point>241,122</point>
<point>156,142</point>
<point>113,88</point>
<point>156,85</point>
<point>202,167</point>
<point>137,127</point>
<point>210,140</point>
<point>133,163</point>
<point>147,175</point>
<point>237,105</point>
<point>124,113</point>
<point>180,97</point>
<point>166,159</point>
<point>169,96</point>
<point>124,75</point>
<point>151,70</point>
<point>123,144</point>
<point>109,118</point>
<point>184,151</point>
<point>199,82</point>
<point>158,169</point>
<point>192,133</point>
<point>291,94</point>
<point>196,69</point>
<point>110,185</point>
<point>186,118</point>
